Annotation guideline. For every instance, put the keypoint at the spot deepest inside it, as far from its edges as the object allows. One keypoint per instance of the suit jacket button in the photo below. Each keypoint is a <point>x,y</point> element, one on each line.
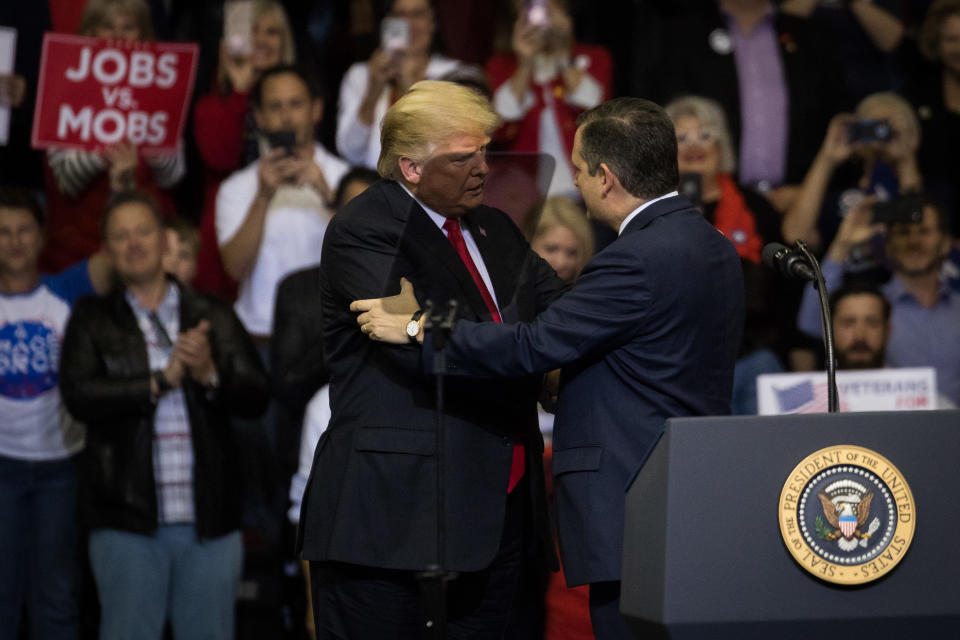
<point>451,366</point>
<point>507,442</point>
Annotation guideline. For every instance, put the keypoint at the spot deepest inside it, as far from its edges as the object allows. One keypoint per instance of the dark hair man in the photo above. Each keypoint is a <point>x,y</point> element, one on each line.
<point>861,326</point>
<point>649,331</point>
<point>155,370</point>
<point>370,512</point>
<point>272,214</point>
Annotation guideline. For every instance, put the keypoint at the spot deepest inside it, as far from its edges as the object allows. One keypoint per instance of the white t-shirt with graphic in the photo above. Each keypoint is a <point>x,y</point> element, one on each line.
<point>35,425</point>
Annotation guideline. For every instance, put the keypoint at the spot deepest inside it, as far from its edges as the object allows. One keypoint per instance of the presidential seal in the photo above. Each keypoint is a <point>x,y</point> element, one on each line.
<point>847,515</point>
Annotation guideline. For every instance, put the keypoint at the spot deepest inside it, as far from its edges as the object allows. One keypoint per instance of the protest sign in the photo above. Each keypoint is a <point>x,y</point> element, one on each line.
<point>858,390</point>
<point>8,48</point>
<point>94,93</point>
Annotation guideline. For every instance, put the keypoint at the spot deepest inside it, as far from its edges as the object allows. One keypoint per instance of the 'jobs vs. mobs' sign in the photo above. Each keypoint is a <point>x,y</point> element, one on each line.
<point>95,93</point>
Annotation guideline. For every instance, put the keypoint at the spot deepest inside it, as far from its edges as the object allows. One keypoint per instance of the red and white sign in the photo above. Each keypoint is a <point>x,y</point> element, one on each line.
<point>95,93</point>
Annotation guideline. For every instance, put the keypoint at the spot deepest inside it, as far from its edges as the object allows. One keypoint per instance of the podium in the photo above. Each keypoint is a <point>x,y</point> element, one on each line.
<point>703,552</point>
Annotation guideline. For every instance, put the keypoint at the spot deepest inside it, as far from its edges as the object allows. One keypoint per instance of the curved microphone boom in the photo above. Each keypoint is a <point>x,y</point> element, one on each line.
<point>789,263</point>
<point>801,264</point>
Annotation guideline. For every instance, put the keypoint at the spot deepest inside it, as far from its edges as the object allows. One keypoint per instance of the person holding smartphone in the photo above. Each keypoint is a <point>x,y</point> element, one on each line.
<point>405,56</point>
<point>80,182</point>
<point>924,307</point>
<point>256,37</point>
<point>271,216</point>
<point>871,152</point>
<point>544,82</point>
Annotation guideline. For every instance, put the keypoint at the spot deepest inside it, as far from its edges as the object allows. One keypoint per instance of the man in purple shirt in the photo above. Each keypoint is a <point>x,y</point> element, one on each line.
<point>773,73</point>
<point>764,96</point>
<point>924,308</point>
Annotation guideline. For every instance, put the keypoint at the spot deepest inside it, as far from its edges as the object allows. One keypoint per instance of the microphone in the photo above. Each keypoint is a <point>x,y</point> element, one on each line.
<point>789,263</point>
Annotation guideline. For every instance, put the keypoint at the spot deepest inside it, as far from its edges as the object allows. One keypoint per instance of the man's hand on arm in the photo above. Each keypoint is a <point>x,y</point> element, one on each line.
<point>386,319</point>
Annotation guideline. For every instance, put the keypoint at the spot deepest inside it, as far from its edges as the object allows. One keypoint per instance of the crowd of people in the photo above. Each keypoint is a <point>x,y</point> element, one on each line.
<point>163,365</point>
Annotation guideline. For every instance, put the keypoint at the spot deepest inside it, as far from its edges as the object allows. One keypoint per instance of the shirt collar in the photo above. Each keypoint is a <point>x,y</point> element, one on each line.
<point>896,290</point>
<point>169,304</point>
<point>635,212</point>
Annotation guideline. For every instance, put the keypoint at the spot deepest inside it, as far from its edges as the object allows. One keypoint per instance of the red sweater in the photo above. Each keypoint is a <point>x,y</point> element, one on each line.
<point>524,134</point>
<point>218,122</point>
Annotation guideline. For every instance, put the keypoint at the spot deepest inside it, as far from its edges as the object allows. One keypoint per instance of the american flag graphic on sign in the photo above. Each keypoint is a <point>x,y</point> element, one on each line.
<point>805,397</point>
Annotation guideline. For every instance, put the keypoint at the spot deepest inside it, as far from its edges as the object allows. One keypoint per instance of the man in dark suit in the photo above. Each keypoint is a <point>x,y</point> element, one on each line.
<point>370,513</point>
<point>650,331</point>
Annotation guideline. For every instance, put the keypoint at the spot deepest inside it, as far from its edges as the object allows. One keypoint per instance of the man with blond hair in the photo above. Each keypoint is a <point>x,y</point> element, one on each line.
<point>370,513</point>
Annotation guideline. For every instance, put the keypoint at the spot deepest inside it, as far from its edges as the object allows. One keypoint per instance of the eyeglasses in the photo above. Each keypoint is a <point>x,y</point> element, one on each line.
<point>697,136</point>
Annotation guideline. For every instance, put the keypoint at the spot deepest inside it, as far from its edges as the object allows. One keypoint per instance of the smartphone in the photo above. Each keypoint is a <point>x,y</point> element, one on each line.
<point>867,131</point>
<point>286,140</point>
<point>238,27</point>
<point>900,210</point>
<point>537,12</point>
<point>691,186</point>
<point>394,34</point>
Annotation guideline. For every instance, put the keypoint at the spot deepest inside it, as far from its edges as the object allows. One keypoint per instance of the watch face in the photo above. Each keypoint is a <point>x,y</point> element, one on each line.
<point>413,328</point>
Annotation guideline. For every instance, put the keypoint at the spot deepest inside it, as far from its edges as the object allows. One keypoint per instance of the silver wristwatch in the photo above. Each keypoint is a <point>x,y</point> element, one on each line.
<point>413,327</point>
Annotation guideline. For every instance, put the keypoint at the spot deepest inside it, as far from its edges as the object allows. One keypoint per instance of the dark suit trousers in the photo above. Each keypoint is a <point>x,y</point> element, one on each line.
<point>352,602</point>
<point>605,617</point>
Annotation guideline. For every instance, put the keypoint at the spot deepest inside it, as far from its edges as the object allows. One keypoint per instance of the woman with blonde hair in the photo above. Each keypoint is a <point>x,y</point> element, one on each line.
<point>224,127</point>
<point>79,182</point>
<point>563,237</point>
<point>369,88</point>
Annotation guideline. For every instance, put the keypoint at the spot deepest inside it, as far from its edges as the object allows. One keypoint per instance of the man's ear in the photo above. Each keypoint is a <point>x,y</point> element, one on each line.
<point>258,118</point>
<point>410,169</point>
<point>316,110</point>
<point>607,179</point>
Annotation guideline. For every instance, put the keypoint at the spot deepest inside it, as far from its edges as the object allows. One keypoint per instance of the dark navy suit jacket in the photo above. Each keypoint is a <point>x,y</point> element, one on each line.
<point>650,331</point>
<point>371,498</point>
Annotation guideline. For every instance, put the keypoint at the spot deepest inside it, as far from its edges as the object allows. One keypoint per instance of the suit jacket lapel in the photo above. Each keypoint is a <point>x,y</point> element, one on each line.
<point>429,240</point>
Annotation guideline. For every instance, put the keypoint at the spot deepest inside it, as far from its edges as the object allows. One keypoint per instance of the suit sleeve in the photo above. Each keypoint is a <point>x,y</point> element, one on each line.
<point>607,307</point>
<point>357,263</point>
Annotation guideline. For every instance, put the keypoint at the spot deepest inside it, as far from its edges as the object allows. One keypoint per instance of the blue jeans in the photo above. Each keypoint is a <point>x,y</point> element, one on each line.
<point>38,539</point>
<point>745,372</point>
<point>144,579</point>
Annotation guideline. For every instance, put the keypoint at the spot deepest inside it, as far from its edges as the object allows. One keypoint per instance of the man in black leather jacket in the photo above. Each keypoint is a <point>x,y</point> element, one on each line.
<point>156,370</point>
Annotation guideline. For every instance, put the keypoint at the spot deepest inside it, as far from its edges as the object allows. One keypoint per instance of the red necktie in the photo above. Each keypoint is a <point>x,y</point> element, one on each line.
<point>455,236</point>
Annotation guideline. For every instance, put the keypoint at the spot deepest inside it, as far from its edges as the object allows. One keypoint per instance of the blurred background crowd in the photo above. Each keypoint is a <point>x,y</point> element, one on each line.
<point>834,122</point>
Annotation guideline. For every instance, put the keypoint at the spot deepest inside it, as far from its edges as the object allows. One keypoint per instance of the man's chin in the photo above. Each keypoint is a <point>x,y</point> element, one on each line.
<point>859,362</point>
<point>472,198</point>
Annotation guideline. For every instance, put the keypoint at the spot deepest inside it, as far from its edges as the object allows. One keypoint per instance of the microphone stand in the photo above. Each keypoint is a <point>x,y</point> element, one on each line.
<point>433,580</point>
<point>833,403</point>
